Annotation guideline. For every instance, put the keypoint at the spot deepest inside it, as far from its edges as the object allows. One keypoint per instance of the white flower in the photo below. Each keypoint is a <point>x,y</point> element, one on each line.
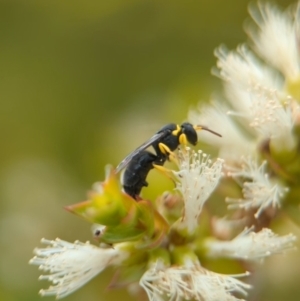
<point>269,116</point>
<point>258,190</point>
<point>234,143</point>
<point>71,265</point>
<point>191,283</point>
<point>197,178</point>
<point>256,94</point>
<point>249,245</point>
<point>275,38</point>
<point>241,72</point>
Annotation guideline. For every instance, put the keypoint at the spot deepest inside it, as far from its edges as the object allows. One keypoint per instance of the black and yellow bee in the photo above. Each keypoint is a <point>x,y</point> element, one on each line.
<point>165,141</point>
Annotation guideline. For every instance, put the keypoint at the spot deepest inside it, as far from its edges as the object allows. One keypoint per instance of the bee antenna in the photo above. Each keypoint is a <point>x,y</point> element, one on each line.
<point>201,127</point>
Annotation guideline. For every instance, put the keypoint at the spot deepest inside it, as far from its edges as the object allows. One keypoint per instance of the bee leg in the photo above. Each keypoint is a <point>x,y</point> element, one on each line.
<point>166,172</point>
<point>166,150</point>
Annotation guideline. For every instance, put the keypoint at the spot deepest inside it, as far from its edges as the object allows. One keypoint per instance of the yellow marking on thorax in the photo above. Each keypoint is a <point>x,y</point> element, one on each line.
<point>175,132</point>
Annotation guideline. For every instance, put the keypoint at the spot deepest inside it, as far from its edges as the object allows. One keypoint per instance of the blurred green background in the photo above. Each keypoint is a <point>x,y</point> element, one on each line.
<point>82,84</point>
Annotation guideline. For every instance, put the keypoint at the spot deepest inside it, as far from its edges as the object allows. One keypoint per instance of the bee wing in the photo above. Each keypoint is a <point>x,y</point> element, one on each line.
<point>146,144</point>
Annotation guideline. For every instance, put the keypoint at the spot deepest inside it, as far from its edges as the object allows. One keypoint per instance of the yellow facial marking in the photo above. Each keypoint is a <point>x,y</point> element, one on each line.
<point>182,139</point>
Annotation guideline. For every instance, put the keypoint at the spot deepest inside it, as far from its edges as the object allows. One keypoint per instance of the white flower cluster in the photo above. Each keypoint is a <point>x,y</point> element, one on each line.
<point>72,265</point>
<point>258,190</point>
<point>197,177</point>
<point>251,246</point>
<point>276,41</point>
<point>191,283</point>
<point>256,91</point>
<point>260,108</point>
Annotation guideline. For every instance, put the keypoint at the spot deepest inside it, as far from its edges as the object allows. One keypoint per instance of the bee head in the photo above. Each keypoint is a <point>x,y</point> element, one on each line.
<point>188,134</point>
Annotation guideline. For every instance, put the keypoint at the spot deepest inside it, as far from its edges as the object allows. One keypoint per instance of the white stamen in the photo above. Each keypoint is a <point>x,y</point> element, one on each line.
<point>197,178</point>
<point>268,115</point>
<point>241,71</point>
<point>275,38</point>
<point>191,283</point>
<point>71,265</point>
<point>252,246</point>
<point>260,192</point>
<point>256,94</point>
